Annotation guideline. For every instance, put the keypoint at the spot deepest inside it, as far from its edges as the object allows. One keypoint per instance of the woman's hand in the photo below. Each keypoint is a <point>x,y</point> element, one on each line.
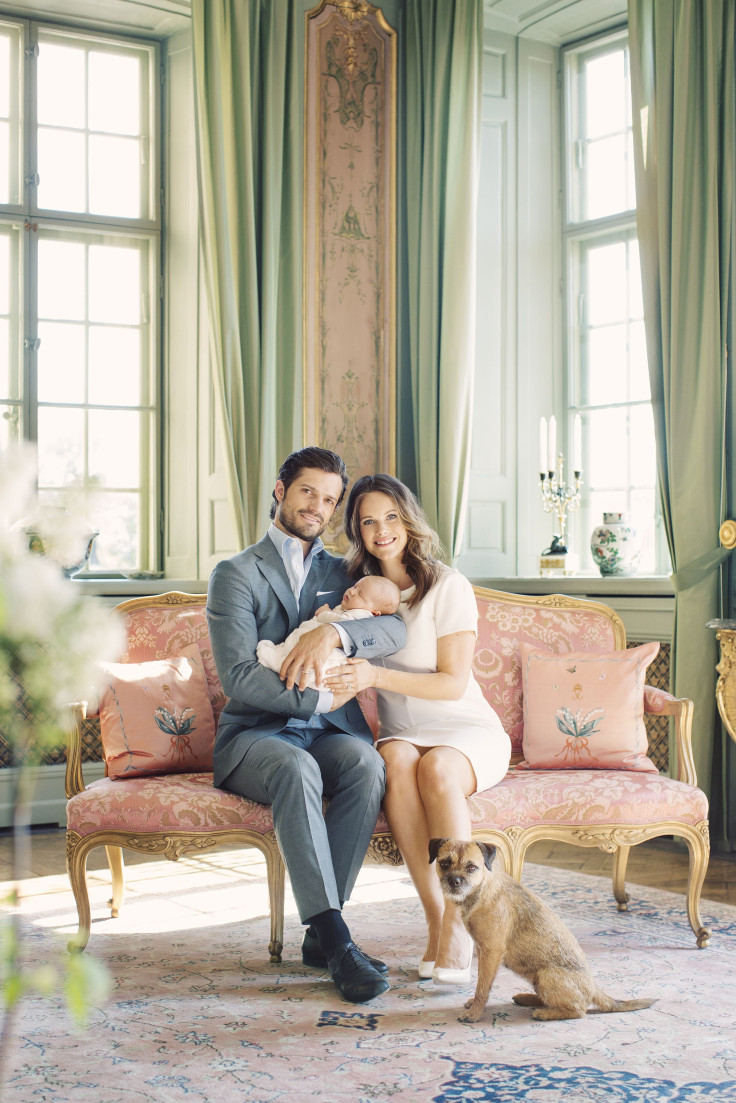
<point>354,676</point>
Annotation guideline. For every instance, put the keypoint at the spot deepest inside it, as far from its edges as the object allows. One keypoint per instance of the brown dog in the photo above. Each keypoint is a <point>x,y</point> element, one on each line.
<point>511,926</point>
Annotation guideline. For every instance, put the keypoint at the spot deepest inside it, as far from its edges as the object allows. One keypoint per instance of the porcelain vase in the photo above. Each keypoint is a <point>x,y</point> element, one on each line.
<point>616,545</point>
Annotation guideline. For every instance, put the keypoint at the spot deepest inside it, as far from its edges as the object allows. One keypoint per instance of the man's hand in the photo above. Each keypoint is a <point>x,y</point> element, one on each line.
<point>309,656</point>
<point>340,699</point>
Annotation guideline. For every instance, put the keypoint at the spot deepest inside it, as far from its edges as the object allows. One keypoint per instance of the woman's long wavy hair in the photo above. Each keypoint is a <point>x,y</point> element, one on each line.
<point>423,549</point>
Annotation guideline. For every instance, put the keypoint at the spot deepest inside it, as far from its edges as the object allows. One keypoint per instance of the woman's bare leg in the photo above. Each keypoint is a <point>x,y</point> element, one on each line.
<point>445,779</point>
<point>426,798</point>
<point>408,822</point>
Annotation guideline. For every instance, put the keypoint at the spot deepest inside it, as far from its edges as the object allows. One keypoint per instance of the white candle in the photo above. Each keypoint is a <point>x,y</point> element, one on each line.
<point>542,444</point>
<point>577,443</point>
<point>551,444</point>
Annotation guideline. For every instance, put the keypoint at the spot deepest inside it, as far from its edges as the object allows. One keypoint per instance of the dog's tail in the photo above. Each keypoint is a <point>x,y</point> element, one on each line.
<point>608,1003</point>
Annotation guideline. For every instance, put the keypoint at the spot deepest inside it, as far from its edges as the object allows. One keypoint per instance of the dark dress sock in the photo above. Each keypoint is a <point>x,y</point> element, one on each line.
<point>331,930</point>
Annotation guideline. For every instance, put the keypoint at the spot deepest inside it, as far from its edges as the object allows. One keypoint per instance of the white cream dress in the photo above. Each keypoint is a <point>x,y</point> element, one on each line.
<point>470,724</point>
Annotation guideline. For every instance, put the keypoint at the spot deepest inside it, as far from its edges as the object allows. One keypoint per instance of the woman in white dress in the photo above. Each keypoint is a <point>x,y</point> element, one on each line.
<point>439,737</point>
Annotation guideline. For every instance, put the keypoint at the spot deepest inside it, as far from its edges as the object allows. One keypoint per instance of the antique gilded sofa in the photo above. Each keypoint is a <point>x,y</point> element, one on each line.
<point>180,813</point>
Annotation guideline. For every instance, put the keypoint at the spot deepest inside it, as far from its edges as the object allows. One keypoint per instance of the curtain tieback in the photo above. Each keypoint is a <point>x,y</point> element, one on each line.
<point>699,569</point>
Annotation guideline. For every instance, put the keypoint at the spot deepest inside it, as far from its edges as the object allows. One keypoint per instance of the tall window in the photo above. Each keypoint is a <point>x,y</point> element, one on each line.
<point>608,382</point>
<point>79,274</point>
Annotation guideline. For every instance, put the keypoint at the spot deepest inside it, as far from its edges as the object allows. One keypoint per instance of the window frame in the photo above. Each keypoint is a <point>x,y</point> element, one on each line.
<point>27,217</point>
<point>576,232</point>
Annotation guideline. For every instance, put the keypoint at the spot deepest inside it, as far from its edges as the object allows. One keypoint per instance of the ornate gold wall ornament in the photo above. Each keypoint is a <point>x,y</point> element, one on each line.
<point>727,534</point>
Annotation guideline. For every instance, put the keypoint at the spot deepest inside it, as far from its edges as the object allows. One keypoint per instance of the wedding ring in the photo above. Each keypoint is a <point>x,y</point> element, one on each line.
<point>307,672</point>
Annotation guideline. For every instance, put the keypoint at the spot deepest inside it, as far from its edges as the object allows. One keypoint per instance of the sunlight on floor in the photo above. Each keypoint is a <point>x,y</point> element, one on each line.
<point>226,886</point>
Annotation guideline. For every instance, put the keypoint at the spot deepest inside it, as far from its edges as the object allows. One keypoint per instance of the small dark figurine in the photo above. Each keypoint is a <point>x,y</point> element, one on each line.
<point>556,547</point>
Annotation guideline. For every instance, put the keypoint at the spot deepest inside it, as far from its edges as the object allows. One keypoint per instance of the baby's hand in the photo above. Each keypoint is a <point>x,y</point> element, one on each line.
<point>322,609</point>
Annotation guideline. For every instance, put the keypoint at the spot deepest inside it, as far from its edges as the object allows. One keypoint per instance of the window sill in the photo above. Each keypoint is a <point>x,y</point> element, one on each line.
<point>590,585</point>
<point>123,588</point>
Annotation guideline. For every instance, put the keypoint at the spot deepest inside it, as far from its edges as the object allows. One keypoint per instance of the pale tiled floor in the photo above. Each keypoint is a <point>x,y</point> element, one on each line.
<point>213,884</point>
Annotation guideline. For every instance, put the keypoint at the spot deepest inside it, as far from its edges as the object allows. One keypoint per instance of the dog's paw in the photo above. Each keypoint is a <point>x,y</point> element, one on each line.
<point>472,1014</point>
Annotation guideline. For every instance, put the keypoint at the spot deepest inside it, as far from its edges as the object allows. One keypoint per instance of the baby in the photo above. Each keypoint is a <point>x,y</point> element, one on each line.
<point>373,596</point>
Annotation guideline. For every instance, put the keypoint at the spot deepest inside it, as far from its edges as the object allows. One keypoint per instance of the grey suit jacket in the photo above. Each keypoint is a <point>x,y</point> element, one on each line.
<point>249,598</point>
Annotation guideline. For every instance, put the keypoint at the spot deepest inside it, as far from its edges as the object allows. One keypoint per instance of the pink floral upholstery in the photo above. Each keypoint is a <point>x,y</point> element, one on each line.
<point>582,798</point>
<point>503,626</point>
<point>174,802</point>
<point>586,798</point>
<point>161,631</point>
<point>656,700</point>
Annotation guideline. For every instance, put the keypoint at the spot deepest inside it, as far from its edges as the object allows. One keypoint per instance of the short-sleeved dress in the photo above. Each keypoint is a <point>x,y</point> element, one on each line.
<point>469,724</point>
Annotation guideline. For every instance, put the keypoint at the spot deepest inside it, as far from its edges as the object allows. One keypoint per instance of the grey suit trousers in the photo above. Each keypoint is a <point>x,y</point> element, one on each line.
<point>292,771</point>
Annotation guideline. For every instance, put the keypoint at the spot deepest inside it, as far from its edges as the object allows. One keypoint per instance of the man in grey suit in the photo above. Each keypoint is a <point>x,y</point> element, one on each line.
<point>286,745</point>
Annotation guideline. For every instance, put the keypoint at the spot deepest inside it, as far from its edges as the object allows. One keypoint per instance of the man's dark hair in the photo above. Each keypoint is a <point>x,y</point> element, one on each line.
<point>312,457</point>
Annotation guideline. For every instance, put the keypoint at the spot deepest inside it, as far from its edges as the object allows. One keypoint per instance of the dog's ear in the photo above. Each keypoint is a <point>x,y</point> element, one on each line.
<point>434,848</point>
<point>489,853</point>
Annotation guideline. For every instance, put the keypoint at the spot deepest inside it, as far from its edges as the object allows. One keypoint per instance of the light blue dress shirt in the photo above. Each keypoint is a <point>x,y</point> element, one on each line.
<point>297,567</point>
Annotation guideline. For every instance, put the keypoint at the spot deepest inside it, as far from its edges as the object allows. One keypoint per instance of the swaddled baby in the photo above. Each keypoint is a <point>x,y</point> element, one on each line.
<point>372,596</point>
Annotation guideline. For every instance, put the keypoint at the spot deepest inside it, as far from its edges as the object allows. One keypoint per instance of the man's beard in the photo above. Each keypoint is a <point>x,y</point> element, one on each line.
<point>303,529</point>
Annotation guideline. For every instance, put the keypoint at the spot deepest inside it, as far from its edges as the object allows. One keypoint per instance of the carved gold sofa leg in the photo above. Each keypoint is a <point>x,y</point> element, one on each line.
<point>172,846</point>
<point>76,863</point>
<point>620,862</point>
<point>276,872</point>
<point>117,872</point>
<point>698,844</point>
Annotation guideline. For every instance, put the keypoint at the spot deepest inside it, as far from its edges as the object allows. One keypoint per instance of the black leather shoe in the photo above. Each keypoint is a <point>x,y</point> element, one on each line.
<point>355,978</point>
<point>313,956</point>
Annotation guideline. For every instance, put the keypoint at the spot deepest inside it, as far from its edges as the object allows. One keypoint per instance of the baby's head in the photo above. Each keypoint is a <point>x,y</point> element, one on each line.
<point>374,592</point>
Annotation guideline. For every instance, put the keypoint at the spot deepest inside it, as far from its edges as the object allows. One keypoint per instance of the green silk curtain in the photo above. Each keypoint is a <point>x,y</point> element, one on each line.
<point>442,52</point>
<point>247,65</point>
<point>682,73</point>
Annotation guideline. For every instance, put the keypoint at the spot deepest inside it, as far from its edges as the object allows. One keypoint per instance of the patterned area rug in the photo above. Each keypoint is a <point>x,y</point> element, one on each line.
<point>198,1013</point>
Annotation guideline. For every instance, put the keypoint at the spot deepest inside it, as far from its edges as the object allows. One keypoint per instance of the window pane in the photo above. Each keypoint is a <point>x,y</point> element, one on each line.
<point>4,273</point>
<point>643,511</point>
<point>4,159</point>
<point>115,287</point>
<point>599,133</point>
<point>61,279</point>
<point>607,451</point>
<point>60,447</point>
<point>61,363</point>
<point>11,120</point>
<point>606,176</point>
<point>9,425</point>
<point>117,516</point>
<point>4,358</point>
<point>5,80</point>
<point>643,455</point>
<point>114,93</point>
<point>115,176</point>
<point>114,448</point>
<point>607,374</point>
<point>639,389</point>
<point>606,284</point>
<point>62,170</point>
<point>606,92</point>
<point>61,85</point>
<point>114,366</point>
<point>10,309</point>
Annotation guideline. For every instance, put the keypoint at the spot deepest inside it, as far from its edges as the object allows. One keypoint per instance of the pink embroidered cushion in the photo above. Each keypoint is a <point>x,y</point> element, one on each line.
<point>584,710</point>
<point>156,717</point>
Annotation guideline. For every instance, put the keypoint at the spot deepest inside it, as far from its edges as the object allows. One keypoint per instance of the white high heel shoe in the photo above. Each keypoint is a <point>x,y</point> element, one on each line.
<point>425,969</point>
<point>454,976</point>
